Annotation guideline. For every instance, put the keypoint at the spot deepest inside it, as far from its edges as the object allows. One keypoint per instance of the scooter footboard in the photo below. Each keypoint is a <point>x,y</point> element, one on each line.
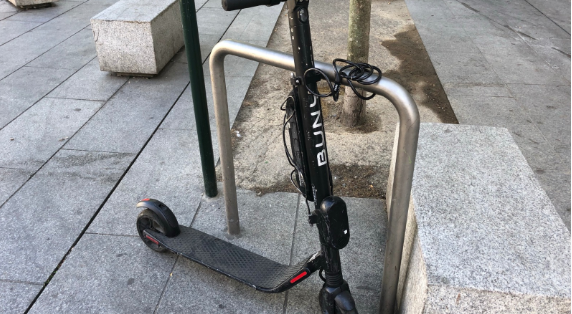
<point>228,259</point>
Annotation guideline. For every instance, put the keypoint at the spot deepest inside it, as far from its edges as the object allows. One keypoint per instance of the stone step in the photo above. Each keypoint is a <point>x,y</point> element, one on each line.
<point>482,235</point>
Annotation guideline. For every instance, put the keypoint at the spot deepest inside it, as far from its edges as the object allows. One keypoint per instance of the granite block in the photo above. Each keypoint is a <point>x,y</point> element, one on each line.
<point>107,274</point>
<point>26,3</point>
<point>31,140</point>
<point>485,237</point>
<point>168,169</point>
<point>89,83</point>
<point>51,210</point>
<point>72,54</point>
<point>131,116</point>
<point>15,91</point>
<point>45,14</point>
<point>152,30</point>
<point>17,296</point>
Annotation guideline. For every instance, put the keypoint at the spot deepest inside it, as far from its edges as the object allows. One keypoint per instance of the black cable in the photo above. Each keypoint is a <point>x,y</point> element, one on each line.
<point>352,72</point>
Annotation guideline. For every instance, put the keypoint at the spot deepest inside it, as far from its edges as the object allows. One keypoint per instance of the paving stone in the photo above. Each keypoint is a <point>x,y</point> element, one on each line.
<point>182,116</point>
<point>7,7</point>
<point>266,222</point>
<point>446,36</point>
<point>514,62</point>
<point>362,259</point>
<point>17,296</point>
<point>73,53</point>
<point>454,67</point>
<point>5,15</point>
<point>206,18</point>
<point>132,114</point>
<point>15,91</point>
<point>45,14</point>
<point>476,89</point>
<point>68,190</point>
<point>207,43</point>
<point>490,111</point>
<point>254,24</point>
<point>10,181</point>
<point>47,36</point>
<point>267,227</point>
<point>12,29</point>
<point>422,10</point>
<point>474,200</point>
<point>556,11</point>
<point>556,183</point>
<point>42,131</point>
<point>195,287</point>
<point>107,274</point>
<point>89,83</point>
<point>169,170</point>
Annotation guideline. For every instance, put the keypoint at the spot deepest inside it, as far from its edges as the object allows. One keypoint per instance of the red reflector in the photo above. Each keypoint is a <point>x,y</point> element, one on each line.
<point>152,240</point>
<point>145,199</point>
<point>293,280</point>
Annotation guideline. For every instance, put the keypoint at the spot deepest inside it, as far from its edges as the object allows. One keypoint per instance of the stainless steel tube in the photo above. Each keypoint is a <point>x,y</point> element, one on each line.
<point>404,166</point>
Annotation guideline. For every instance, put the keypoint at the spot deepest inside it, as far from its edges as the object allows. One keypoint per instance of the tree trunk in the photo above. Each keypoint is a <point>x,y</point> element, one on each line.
<point>353,109</point>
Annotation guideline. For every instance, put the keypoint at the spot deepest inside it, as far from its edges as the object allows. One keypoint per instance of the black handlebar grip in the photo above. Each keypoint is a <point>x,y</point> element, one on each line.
<point>231,5</point>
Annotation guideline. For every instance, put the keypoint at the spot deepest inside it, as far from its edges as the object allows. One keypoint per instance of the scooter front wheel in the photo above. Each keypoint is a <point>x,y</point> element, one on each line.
<point>149,220</point>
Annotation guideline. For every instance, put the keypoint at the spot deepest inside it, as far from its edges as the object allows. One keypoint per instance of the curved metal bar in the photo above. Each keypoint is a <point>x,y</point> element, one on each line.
<point>404,166</point>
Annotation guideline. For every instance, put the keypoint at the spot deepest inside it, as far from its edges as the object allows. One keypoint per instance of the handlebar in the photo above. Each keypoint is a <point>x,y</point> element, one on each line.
<point>231,5</point>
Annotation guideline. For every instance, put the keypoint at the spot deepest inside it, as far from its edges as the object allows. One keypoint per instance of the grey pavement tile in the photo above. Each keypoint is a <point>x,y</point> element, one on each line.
<point>428,10</point>
<point>207,43</point>
<point>195,287</point>
<point>556,183</point>
<point>89,83</point>
<point>254,24</point>
<point>516,62</point>
<point>50,211</point>
<point>557,11</point>
<point>554,127</point>
<point>45,14</point>
<point>5,15</point>
<point>542,99</point>
<point>107,274</point>
<point>17,296</point>
<point>169,170</point>
<point>446,36</point>
<point>11,180</point>
<point>16,95</point>
<point>29,141</point>
<point>362,259</point>
<point>557,59</point>
<point>47,36</point>
<point>266,222</point>
<point>182,115</point>
<point>214,21</point>
<point>73,53</point>
<point>132,114</point>
<point>463,68</point>
<point>489,111</point>
<point>12,29</point>
<point>267,226</point>
<point>539,153</point>
<point>476,89</point>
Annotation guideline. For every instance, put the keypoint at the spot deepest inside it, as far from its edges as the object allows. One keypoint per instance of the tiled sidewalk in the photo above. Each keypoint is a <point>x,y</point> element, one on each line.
<point>507,64</point>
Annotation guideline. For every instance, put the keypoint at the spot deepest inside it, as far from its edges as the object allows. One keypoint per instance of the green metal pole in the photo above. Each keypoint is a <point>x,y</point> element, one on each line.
<point>193,48</point>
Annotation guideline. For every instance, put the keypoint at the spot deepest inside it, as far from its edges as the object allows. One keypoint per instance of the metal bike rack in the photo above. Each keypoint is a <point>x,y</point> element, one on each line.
<point>405,162</point>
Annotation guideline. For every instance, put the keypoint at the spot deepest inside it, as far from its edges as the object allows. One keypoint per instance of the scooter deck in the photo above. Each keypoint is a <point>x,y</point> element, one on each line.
<point>228,259</point>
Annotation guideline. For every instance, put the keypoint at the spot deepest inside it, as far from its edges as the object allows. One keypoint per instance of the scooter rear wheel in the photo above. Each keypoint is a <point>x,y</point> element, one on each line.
<point>148,220</point>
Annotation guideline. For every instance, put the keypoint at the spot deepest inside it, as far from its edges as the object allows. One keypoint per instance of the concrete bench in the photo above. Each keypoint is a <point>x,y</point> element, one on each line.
<point>482,235</point>
<point>32,3</point>
<point>137,36</point>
